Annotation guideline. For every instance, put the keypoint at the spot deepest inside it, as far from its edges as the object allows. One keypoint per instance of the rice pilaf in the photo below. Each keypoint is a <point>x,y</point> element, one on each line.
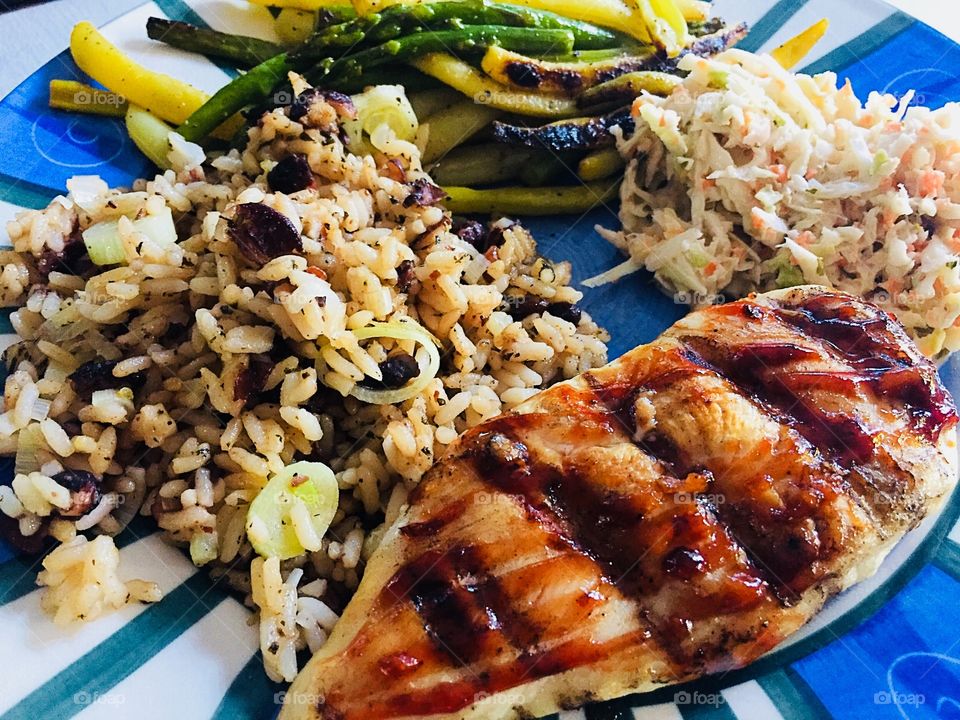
<point>176,381</point>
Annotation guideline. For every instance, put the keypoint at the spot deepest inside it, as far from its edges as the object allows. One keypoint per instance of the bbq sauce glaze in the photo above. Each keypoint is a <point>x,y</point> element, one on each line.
<point>465,611</point>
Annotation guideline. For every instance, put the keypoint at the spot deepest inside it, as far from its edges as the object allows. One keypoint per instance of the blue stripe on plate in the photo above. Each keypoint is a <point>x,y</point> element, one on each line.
<point>18,575</point>
<point>701,711</point>
<point>251,694</point>
<point>795,700</point>
<point>948,559</point>
<point>121,654</point>
<point>841,58</point>
<point>179,10</point>
<point>25,193</point>
<point>772,20</point>
<point>6,327</point>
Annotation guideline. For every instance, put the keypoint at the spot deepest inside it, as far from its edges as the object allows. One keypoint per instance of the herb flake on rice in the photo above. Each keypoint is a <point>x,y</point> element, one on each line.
<point>189,371</point>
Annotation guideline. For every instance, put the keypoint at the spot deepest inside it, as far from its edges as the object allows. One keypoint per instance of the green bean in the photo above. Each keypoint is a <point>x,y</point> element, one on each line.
<point>248,89</point>
<point>572,200</point>
<point>428,102</point>
<point>600,164</point>
<point>454,125</point>
<point>484,164</point>
<point>244,51</point>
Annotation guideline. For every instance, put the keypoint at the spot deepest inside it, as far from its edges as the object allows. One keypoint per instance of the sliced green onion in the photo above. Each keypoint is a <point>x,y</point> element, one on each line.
<point>150,134</point>
<point>400,330</point>
<point>29,441</point>
<point>105,247</point>
<point>293,511</point>
<point>203,547</point>
<point>382,105</point>
<point>123,396</point>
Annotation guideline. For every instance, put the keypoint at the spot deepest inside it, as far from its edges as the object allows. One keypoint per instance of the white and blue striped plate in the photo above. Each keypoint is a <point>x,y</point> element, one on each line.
<point>888,649</point>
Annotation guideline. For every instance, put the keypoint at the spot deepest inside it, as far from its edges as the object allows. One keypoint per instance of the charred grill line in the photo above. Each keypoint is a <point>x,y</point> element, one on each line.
<point>662,450</point>
<point>874,347</point>
<point>769,562</point>
<point>591,472</point>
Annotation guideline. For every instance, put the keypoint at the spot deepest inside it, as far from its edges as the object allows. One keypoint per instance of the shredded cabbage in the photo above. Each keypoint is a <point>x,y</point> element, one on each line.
<point>748,177</point>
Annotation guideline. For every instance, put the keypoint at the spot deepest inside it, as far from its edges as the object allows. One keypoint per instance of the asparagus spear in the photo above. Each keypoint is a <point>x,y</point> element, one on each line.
<point>247,89</point>
<point>468,38</point>
<point>244,51</point>
<point>399,20</point>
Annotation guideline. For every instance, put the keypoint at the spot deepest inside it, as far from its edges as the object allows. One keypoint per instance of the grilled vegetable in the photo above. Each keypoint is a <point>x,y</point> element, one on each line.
<point>717,42</point>
<point>694,11</point>
<point>325,5</point>
<point>550,168</point>
<point>665,24</point>
<point>575,134</point>
<point>725,478</point>
<point>454,126</point>
<point>567,78</point>
<point>399,20</point>
<point>244,51</point>
<point>625,88</point>
<point>484,164</point>
<point>472,83</point>
<point>797,48</point>
<point>560,200</point>
<point>600,164</point>
<point>80,97</point>
<point>464,40</point>
<point>165,96</point>
<point>605,13</point>
<point>295,26</point>
<point>245,90</point>
<point>411,80</point>
<point>428,102</point>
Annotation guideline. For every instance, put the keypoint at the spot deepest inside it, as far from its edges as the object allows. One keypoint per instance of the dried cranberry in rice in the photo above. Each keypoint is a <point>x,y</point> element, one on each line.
<point>340,102</point>
<point>290,175</point>
<point>263,233</point>
<point>72,259</point>
<point>397,371</point>
<point>406,277</point>
<point>94,375</point>
<point>394,170</point>
<point>84,490</point>
<point>423,193</point>
<point>470,231</point>
<point>495,236</point>
<point>519,307</point>
<point>566,311</point>
<point>250,381</point>
<point>27,544</point>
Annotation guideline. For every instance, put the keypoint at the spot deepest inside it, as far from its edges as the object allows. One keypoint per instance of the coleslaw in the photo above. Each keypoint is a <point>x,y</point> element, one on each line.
<point>749,177</point>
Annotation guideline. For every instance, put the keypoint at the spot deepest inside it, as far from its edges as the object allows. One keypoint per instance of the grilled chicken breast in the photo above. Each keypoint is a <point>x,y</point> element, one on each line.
<point>676,513</point>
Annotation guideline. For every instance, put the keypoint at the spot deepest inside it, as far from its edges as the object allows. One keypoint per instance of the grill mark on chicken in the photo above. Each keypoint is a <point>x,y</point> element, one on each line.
<point>869,340</point>
<point>864,357</point>
<point>786,545</point>
<point>652,521</point>
<point>460,605</point>
<point>622,536</point>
